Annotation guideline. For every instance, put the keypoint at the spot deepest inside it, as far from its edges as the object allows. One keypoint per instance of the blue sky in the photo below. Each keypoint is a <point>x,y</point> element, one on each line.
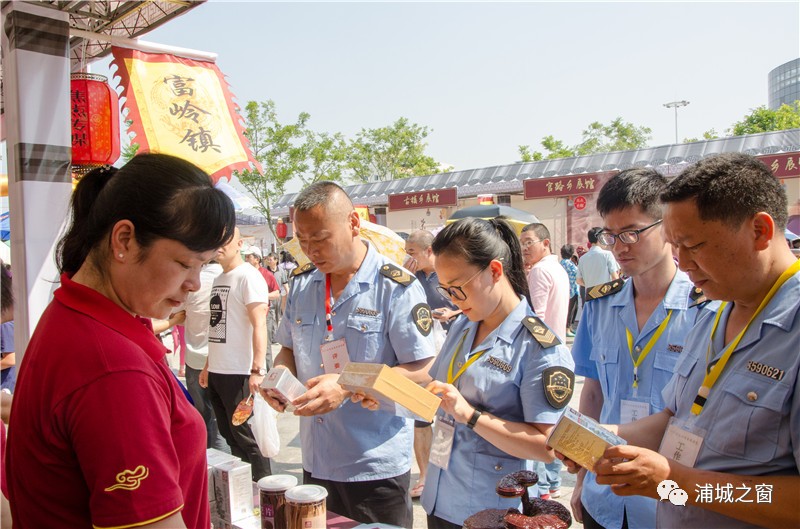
<point>486,77</point>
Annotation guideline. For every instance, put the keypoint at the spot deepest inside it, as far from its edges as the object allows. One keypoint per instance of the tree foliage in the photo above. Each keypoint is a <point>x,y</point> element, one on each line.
<point>618,135</point>
<point>328,155</point>
<point>762,119</point>
<point>279,148</point>
<point>386,153</point>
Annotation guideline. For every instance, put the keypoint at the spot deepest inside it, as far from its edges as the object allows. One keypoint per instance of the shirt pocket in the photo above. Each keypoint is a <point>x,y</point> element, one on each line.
<point>607,360</point>
<point>365,335</point>
<point>663,368</point>
<point>752,408</point>
<point>487,471</point>
<point>306,337</point>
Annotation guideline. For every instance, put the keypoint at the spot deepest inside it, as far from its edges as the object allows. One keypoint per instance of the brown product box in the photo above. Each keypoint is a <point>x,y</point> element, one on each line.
<point>234,490</point>
<point>395,393</point>
<point>581,438</point>
<point>284,386</point>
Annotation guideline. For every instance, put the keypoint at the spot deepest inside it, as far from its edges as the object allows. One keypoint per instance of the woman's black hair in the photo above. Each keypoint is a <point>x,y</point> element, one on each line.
<point>479,241</point>
<point>6,292</point>
<point>165,197</point>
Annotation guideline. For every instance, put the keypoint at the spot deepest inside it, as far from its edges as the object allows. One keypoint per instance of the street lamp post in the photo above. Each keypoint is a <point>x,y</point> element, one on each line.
<point>676,105</point>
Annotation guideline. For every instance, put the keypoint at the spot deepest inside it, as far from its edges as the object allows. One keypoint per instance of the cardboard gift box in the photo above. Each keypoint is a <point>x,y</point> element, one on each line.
<point>395,393</point>
<point>283,386</point>
<point>234,490</point>
<point>581,438</point>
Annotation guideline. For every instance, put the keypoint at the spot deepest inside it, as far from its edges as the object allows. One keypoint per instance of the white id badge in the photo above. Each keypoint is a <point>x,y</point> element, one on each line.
<point>633,410</point>
<point>682,442</point>
<point>334,356</point>
<point>443,432</point>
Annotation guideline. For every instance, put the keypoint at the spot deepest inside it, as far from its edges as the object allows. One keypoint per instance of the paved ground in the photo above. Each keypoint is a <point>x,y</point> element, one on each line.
<point>288,460</point>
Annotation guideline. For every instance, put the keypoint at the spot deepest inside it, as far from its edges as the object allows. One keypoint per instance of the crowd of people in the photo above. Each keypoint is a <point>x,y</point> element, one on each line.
<point>684,314</point>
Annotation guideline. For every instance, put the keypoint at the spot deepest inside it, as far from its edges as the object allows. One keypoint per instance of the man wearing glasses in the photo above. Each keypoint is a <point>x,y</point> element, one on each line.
<point>630,334</point>
<point>597,266</point>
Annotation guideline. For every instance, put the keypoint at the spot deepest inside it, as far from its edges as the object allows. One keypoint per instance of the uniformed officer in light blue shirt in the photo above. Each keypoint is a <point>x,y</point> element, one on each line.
<point>732,419</point>
<point>630,334</point>
<point>503,376</point>
<point>351,304</point>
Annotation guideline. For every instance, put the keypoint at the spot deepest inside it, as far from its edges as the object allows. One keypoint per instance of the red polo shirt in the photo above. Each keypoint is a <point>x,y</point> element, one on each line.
<point>101,433</point>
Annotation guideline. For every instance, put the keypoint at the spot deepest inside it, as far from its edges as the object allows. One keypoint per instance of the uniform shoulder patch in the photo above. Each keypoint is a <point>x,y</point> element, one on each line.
<point>300,270</point>
<point>421,314</point>
<point>540,331</point>
<point>606,289</point>
<point>397,274</point>
<point>559,383</point>
<point>697,297</point>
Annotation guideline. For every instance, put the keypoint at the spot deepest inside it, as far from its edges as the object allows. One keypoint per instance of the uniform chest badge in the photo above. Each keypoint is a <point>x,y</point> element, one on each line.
<point>499,364</point>
<point>421,314</point>
<point>558,386</point>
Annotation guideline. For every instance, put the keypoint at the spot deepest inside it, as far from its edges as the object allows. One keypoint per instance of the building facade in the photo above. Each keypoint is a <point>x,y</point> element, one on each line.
<point>784,84</point>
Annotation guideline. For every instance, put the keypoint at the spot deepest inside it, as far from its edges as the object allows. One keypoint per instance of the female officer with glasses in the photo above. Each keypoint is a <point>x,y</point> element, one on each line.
<point>503,376</point>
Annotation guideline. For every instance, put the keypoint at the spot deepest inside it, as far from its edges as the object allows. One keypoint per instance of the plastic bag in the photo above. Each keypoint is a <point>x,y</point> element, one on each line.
<point>265,427</point>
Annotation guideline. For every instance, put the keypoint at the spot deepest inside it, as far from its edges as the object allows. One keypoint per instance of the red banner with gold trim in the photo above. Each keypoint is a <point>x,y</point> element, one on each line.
<point>183,107</point>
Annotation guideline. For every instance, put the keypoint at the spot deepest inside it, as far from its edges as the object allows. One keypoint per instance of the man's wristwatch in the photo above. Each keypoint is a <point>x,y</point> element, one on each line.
<point>474,419</point>
<point>260,371</point>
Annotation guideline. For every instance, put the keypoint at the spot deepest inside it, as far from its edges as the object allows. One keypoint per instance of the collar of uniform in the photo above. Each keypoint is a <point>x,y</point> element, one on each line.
<point>507,330</point>
<point>781,311</point>
<point>676,298</point>
<point>365,272</point>
<point>98,307</point>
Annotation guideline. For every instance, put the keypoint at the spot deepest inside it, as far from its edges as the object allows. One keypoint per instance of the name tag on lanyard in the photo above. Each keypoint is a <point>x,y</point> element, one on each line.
<point>334,356</point>
<point>633,410</point>
<point>682,442</point>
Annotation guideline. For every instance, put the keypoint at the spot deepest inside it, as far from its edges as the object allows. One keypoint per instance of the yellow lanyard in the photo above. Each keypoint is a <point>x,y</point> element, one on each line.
<point>638,361</point>
<point>712,376</point>
<point>452,379</point>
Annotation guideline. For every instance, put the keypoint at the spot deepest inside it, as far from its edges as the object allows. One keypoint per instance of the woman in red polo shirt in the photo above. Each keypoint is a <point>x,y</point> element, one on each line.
<point>102,434</point>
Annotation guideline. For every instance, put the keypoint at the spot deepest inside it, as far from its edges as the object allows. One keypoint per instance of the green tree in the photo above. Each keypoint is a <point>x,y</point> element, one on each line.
<point>386,153</point>
<point>618,135</point>
<point>130,150</point>
<point>327,157</point>
<point>279,148</point>
<point>762,119</point>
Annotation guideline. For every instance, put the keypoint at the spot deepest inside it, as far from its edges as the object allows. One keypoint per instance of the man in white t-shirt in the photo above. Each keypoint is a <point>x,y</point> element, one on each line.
<point>196,334</point>
<point>237,348</point>
<point>597,266</point>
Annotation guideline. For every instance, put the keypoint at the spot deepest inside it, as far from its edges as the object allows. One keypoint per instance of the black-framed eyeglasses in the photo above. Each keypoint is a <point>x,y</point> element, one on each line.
<point>606,238</point>
<point>457,293</point>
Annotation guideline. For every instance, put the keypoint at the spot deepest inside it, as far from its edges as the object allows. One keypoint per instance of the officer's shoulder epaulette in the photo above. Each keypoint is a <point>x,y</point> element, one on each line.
<point>397,274</point>
<point>606,289</point>
<point>697,298</point>
<point>300,270</point>
<point>540,331</point>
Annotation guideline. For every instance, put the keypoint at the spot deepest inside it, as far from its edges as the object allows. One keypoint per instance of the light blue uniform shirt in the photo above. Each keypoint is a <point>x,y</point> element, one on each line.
<point>352,443</point>
<point>475,466</point>
<point>601,352</point>
<point>752,420</point>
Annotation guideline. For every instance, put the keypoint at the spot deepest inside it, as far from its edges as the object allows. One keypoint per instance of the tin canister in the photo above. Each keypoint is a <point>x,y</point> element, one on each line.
<point>272,490</point>
<point>306,507</point>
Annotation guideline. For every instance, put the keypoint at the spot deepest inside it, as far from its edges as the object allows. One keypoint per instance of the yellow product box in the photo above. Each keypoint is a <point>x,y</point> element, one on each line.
<point>581,438</point>
<point>395,393</point>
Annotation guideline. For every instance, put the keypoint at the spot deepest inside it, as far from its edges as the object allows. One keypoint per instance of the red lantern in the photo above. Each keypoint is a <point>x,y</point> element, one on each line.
<point>281,229</point>
<point>95,122</point>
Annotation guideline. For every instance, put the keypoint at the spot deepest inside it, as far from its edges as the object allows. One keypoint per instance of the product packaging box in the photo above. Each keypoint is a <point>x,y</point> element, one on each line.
<point>251,522</point>
<point>395,393</point>
<point>282,385</point>
<point>234,490</point>
<point>581,438</point>
<point>215,457</point>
